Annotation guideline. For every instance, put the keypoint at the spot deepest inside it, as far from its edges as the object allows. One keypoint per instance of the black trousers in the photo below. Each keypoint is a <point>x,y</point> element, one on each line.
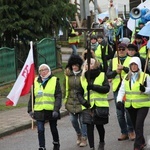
<point>41,131</point>
<point>90,133</point>
<point>138,117</point>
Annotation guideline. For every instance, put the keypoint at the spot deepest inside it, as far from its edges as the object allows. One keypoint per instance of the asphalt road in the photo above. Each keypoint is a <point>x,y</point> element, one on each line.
<point>27,139</point>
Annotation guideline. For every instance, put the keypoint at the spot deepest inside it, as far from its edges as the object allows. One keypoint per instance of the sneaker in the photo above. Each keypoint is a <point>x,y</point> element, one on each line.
<point>123,137</point>
<point>83,142</point>
<point>131,136</point>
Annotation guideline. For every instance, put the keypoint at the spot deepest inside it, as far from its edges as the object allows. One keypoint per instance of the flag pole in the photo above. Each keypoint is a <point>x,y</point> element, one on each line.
<point>32,121</point>
<point>32,97</point>
<point>146,63</point>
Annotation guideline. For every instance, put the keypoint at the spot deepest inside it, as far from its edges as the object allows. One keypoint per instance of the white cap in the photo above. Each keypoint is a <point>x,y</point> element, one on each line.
<point>125,40</point>
<point>45,65</point>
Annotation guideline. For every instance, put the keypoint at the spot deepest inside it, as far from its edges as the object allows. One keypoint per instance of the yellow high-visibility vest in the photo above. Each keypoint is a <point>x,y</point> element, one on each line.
<point>142,51</point>
<point>75,39</point>
<point>98,99</point>
<point>135,97</point>
<point>116,80</point>
<point>44,97</point>
<point>98,53</point>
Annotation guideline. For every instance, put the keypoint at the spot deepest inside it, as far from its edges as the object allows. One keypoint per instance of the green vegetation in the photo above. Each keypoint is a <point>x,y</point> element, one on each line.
<point>33,19</point>
<point>3,107</point>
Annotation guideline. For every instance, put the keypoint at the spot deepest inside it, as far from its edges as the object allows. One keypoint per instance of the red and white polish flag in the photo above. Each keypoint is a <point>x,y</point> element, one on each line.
<point>24,81</point>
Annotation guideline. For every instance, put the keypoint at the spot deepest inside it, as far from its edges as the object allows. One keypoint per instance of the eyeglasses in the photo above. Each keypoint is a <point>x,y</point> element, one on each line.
<point>43,70</point>
<point>121,49</point>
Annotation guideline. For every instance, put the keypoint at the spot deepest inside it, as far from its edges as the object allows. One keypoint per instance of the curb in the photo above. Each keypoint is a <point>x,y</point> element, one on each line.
<point>24,126</point>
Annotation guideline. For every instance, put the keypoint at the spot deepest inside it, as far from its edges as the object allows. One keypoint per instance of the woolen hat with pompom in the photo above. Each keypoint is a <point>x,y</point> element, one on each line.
<point>74,60</point>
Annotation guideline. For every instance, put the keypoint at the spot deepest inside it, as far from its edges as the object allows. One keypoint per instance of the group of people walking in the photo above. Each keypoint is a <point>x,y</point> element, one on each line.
<point>85,92</point>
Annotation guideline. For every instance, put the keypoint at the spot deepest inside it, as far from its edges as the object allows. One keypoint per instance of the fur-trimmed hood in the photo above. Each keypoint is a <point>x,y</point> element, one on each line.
<point>74,60</point>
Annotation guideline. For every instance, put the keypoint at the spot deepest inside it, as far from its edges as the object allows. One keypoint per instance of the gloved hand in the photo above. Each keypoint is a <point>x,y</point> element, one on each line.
<point>31,114</point>
<point>55,114</point>
<point>90,87</point>
<point>120,105</point>
<point>76,33</point>
<point>142,88</point>
<point>87,105</point>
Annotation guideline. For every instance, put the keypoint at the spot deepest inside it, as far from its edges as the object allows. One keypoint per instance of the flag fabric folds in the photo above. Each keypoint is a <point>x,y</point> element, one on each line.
<point>24,81</point>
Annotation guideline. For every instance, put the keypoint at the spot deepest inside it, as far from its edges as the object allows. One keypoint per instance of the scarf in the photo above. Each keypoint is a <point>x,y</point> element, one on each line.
<point>93,73</point>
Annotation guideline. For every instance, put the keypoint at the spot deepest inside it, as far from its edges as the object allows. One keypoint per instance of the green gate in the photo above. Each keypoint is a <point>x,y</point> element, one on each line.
<point>7,65</point>
<point>46,52</point>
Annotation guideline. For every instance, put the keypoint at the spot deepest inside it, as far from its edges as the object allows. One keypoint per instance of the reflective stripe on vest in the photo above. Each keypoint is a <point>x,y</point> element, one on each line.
<point>44,98</point>
<point>135,97</point>
<point>67,89</point>
<point>116,80</point>
<point>75,39</point>
<point>96,98</point>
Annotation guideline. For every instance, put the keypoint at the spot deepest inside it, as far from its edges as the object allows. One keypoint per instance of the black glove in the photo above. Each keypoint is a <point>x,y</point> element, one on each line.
<point>31,114</point>
<point>90,87</point>
<point>120,106</point>
<point>142,88</point>
<point>55,114</point>
<point>87,105</point>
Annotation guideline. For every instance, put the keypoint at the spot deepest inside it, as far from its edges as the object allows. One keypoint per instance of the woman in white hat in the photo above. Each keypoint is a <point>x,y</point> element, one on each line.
<point>136,87</point>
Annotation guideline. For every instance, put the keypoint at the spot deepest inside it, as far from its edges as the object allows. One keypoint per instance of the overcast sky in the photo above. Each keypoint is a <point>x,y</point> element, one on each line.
<point>118,3</point>
<point>104,4</point>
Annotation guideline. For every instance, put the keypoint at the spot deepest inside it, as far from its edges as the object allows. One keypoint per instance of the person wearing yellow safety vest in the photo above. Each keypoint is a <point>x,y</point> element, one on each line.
<point>133,52</point>
<point>98,99</point>
<point>141,43</point>
<point>70,87</point>
<point>104,52</point>
<point>136,87</point>
<point>73,37</point>
<point>46,105</point>
<point>117,69</point>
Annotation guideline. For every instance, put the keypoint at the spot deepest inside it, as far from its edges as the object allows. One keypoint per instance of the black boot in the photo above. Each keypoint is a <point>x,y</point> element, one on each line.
<point>101,145</point>
<point>56,146</point>
<point>42,148</point>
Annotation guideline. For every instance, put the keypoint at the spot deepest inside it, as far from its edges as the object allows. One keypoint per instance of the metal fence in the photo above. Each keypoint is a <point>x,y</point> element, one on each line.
<point>45,51</point>
<point>8,65</point>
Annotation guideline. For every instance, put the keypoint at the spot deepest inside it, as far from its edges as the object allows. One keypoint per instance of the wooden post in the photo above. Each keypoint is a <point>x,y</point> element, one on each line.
<point>32,123</point>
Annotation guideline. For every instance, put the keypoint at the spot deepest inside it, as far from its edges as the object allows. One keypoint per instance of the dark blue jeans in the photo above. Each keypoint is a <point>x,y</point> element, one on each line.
<point>74,49</point>
<point>124,119</point>
<point>41,131</point>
